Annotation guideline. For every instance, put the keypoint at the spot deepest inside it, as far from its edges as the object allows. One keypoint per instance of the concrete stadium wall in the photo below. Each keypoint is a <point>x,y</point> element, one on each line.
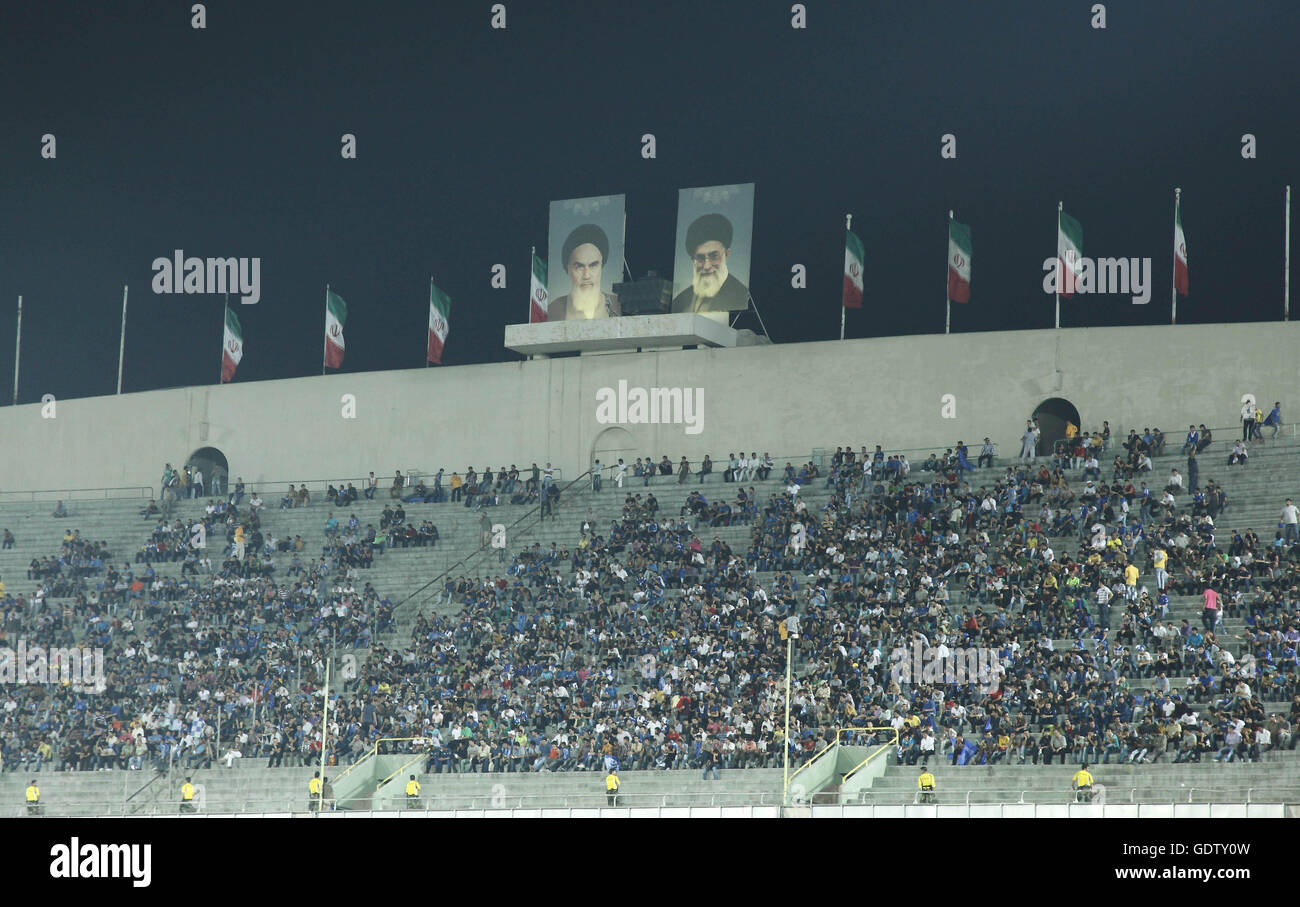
<point>783,398</point>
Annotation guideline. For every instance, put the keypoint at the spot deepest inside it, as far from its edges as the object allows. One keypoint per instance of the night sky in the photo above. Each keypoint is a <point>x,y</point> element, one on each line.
<point>225,142</point>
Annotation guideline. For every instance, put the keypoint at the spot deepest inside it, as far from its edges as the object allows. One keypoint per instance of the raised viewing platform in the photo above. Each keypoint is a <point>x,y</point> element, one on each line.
<point>630,333</point>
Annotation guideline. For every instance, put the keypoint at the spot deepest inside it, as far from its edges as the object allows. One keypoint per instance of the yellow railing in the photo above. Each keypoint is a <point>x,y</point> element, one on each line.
<point>883,748</point>
<point>840,732</point>
<point>373,752</point>
<point>820,753</point>
<point>404,766</point>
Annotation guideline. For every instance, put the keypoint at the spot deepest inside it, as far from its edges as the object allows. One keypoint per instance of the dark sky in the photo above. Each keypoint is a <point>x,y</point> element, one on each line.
<point>225,141</point>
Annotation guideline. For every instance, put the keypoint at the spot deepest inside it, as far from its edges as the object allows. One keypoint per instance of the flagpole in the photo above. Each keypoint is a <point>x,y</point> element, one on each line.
<point>1059,263</point>
<point>532,253</point>
<point>848,226</point>
<point>1173,289</point>
<point>426,323</point>
<point>947,312</point>
<point>18,348</point>
<point>1286,262</point>
<point>325,339</point>
<point>324,733</point>
<point>121,350</point>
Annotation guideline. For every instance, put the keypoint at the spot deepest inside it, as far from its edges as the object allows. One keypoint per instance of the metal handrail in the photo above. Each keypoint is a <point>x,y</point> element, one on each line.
<point>824,750</point>
<point>445,801</point>
<point>403,767</point>
<point>150,491</point>
<point>598,798</point>
<point>839,732</point>
<point>720,465</point>
<point>883,748</point>
<point>70,494</point>
<point>1169,794</point>
<point>373,751</point>
<point>1117,439</point>
<point>357,480</point>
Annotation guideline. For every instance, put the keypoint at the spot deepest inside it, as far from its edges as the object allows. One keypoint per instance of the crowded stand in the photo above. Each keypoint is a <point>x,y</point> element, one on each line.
<point>653,642</point>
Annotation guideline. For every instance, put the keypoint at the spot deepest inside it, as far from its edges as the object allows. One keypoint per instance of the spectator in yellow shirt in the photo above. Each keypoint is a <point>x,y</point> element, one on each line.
<point>1159,559</point>
<point>1130,583</point>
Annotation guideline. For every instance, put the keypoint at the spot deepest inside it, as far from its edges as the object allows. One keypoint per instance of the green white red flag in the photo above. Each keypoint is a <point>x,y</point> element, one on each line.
<point>439,322</point>
<point>1069,254</point>
<point>1180,252</point>
<point>336,313</point>
<point>232,346</point>
<point>854,258</point>
<point>959,261</point>
<point>537,295</point>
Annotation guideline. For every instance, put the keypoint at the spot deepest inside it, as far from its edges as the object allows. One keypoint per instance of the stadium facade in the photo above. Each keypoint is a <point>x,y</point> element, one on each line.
<point>786,399</point>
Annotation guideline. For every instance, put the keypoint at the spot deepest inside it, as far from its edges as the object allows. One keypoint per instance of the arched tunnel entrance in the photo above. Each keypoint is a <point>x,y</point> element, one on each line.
<point>1053,414</point>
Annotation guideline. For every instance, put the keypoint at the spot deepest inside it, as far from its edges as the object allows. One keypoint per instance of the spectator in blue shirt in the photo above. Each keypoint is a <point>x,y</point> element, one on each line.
<point>1274,419</point>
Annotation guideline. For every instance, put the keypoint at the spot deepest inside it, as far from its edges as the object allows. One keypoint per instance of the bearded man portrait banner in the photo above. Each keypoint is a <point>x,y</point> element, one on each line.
<point>715,227</point>
<point>585,257</point>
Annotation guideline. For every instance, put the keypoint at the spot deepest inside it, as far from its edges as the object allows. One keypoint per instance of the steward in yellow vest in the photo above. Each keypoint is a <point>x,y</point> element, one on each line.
<point>314,789</point>
<point>1082,784</point>
<point>925,784</point>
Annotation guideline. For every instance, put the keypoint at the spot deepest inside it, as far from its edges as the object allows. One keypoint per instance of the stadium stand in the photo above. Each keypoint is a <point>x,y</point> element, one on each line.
<point>640,626</point>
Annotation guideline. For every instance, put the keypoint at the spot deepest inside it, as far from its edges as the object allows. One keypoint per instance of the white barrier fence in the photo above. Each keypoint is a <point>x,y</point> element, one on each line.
<point>975,811</point>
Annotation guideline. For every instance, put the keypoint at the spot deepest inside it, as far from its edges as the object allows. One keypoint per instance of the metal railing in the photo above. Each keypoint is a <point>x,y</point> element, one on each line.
<point>883,748</point>
<point>596,799</point>
<point>1135,795</point>
<point>839,734</point>
<point>383,485</point>
<point>797,461</point>
<point>125,492</point>
<point>410,478</point>
<point>1173,444</point>
<point>373,751</point>
<point>315,486</point>
<point>494,801</point>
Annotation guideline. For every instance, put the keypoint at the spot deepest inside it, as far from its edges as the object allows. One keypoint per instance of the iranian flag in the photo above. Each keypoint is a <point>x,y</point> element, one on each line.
<point>537,292</point>
<point>1180,252</point>
<point>959,259</point>
<point>336,312</point>
<point>232,346</point>
<point>854,256</point>
<point>439,315</point>
<point>1069,254</point>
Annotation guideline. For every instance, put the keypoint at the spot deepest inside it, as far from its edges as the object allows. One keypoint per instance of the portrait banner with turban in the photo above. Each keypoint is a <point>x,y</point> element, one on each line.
<point>715,227</point>
<point>585,258</point>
